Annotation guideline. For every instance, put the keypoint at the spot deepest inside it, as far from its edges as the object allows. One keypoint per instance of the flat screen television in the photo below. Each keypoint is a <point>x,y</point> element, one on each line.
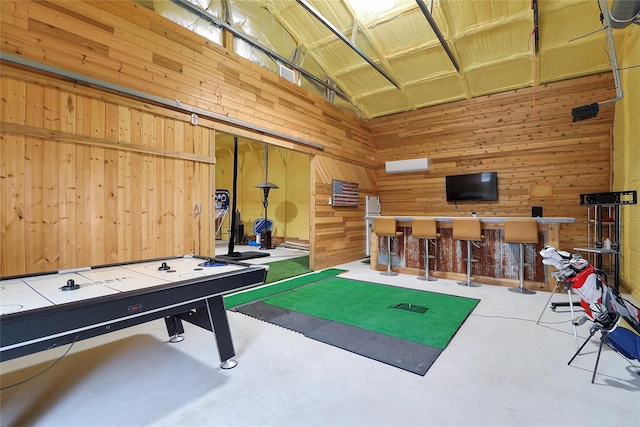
<point>472,187</point>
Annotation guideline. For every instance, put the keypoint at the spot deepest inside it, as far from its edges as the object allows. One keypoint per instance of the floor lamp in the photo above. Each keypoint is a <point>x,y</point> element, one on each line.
<point>266,186</point>
<point>265,234</point>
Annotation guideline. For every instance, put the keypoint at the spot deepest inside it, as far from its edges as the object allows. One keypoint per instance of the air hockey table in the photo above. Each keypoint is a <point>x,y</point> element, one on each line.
<point>43,311</point>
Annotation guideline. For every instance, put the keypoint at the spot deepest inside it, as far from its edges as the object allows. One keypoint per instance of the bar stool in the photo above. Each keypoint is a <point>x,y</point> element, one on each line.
<point>425,228</point>
<point>521,231</point>
<point>385,226</point>
<point>468,229</point>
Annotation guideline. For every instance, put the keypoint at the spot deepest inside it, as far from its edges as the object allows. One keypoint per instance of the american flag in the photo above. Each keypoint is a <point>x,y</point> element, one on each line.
<point>345,193</point>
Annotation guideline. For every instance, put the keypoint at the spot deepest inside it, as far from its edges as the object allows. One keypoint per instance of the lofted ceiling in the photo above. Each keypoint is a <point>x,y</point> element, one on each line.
<point>385,56</point>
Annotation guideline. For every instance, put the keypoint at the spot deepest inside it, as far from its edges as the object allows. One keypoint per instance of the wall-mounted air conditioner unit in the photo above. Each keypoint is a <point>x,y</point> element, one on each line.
<point>408,166</point>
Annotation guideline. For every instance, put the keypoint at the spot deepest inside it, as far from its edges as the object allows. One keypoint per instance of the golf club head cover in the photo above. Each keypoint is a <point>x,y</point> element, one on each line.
<point>578,265</point>
<point>552,253</point>
<point>557,264</point>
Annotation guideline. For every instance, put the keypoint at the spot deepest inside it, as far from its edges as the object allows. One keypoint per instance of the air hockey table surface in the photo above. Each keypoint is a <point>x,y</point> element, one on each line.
<point>38,312</point>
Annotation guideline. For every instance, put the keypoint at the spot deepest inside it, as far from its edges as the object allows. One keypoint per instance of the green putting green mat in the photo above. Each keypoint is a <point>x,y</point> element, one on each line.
<point>423,317</point>
<point>240,298</point>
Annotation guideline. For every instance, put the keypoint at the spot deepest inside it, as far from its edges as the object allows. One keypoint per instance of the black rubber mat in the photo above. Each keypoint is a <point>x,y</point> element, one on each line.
<point>403,354</point>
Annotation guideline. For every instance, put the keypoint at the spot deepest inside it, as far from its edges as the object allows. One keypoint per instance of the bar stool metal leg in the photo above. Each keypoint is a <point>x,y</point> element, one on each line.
<point>470,283</point>
<point>426,263</point>
<point>521,289</point>
<point>388,272</point>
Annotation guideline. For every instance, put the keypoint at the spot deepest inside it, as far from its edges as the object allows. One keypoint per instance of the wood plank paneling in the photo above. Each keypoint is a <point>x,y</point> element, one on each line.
<point>82,201</point>
<point>13,247</point>
<point>138,49</point>
<point>338,232</point>
<point>197,83</point>
<point>127,44</point>
<point>500,133</point>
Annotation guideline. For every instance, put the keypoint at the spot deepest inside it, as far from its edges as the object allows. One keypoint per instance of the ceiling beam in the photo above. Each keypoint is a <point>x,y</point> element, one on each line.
<point>613,59</point>
<point>348,42</point>
<point>439,35</point>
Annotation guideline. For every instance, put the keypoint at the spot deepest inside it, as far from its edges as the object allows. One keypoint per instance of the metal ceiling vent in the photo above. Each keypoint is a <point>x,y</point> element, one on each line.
<point>287,74</point>
<point>624,12</point>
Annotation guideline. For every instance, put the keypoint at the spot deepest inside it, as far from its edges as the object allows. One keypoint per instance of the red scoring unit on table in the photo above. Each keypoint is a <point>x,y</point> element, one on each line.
<point>134,308</point>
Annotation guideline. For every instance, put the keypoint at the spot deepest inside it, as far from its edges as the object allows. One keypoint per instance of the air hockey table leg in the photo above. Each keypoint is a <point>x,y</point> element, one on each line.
<point>220,326</point>
<point>174,328</point>
<point>212,317</point>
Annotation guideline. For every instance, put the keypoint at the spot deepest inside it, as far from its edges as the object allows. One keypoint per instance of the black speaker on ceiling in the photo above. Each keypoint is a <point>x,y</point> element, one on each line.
<point>585,112</point>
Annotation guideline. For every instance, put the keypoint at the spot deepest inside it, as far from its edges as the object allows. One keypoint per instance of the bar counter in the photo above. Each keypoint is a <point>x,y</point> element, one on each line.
<point>498,260</point>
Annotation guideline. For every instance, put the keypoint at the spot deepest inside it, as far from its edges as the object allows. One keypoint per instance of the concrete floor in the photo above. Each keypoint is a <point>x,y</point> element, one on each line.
<point>500,369</point>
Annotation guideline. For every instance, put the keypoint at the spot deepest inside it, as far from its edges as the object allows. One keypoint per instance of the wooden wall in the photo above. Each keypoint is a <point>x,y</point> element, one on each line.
<point>90,178</point>
<point>339,231</point>
<point>542,159</point>
<point>123,43</point>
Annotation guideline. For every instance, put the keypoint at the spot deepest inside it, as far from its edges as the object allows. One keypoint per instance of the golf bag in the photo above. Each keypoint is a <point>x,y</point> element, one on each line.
<point>616,317</point>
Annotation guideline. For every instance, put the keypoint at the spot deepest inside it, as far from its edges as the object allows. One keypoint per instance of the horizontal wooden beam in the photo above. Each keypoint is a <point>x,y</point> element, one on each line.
<point>49,134</point>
